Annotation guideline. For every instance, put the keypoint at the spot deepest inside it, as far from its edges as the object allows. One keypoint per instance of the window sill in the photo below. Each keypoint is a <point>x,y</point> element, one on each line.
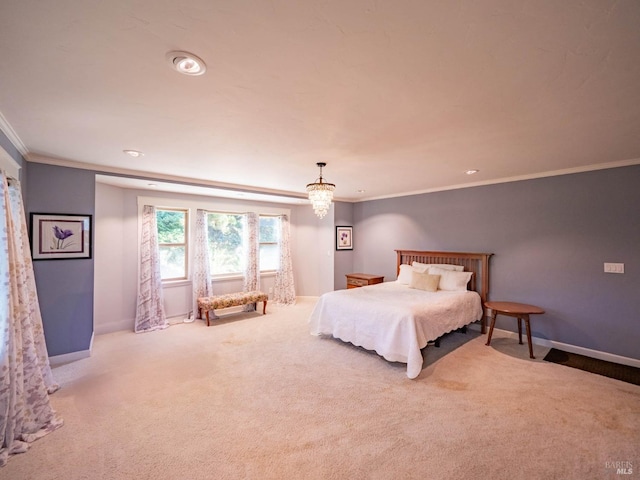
<point>225,278</point>
<point>175,283</point>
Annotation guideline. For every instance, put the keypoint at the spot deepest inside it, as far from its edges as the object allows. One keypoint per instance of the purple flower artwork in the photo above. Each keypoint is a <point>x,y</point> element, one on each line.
<point>344,238</point>
<point>61,236</point>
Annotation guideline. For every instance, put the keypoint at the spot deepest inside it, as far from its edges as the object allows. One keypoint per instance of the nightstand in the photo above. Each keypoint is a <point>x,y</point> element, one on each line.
<point>355,280</point>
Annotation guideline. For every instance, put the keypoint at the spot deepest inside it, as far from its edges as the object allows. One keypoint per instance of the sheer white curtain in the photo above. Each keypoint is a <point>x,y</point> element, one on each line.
<point>284,291</point>
<point>25,373</point>
<point>252,252</point>
<point>150,309</point>
<point>201,276</point>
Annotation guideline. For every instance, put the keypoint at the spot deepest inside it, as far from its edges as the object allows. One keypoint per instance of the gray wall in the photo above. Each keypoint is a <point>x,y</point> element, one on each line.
<point>8,147</point>
<point>343,258</point>
<point>65,287</point>
<point>550,238</point>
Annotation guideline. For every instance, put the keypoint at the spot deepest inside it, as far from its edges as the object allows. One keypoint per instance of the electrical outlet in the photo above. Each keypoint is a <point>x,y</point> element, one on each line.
<point>614,267</point>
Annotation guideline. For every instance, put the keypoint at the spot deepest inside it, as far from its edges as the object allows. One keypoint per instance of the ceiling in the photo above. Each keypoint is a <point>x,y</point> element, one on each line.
<point>397,97</point>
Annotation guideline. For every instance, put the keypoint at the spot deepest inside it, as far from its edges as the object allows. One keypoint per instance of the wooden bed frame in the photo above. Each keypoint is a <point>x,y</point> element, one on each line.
<point>478,263</point>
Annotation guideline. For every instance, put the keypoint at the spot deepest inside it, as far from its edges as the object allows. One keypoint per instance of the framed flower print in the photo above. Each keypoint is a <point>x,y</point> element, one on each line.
<point>344,238</point>
<point>60,236</point>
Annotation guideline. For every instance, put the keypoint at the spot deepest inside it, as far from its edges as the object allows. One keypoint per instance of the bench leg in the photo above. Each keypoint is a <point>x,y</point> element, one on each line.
<point>264,307</point>
<point>208,324</point>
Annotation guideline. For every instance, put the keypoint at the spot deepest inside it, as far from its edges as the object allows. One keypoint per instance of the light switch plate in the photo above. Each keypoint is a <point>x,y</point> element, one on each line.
<point>614,267</point>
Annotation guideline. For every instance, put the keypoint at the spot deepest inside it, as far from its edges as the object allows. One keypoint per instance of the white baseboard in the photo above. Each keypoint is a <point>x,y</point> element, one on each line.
<point>73,356</point>
<point>566,347</point>
<point>124,324</point>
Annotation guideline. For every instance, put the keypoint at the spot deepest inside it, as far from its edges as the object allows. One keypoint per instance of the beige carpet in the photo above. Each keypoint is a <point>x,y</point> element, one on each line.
<point>258,397</point>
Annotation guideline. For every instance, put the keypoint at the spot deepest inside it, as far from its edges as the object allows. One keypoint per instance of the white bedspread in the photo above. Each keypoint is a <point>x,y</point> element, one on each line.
<point>392,319</point>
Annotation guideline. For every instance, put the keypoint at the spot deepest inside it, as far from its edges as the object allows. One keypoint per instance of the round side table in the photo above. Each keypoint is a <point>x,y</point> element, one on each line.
<point>512,309</point>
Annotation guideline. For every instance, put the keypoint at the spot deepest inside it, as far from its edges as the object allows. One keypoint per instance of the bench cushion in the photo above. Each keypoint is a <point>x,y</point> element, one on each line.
<point>231,300</point>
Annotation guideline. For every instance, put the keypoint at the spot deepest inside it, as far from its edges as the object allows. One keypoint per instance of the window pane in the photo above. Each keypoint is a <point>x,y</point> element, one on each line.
<point>269,243</point>
<point>172,264</point>
<point>170,226</point>
<point>269,256</point>
<point>225,243</point>
<point>269,229</point>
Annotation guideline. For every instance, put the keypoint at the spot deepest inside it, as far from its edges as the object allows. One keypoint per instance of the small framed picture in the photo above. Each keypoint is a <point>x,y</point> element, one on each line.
<point>344,238</point>
<point>60,236</point>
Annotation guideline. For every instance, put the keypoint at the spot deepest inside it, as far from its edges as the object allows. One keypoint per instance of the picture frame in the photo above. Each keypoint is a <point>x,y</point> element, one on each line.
<point>60,236</point>
<point>344,238</point>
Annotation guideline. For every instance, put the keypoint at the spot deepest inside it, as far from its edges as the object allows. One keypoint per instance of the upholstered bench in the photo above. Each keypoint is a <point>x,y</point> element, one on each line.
<point>205,304</point>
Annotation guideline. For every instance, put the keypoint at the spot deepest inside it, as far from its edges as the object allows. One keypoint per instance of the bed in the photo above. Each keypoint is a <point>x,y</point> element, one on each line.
<point>397,319</point>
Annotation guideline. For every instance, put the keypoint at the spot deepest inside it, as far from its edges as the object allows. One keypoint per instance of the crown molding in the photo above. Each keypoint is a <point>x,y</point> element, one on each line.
<point>36,158</point>
<point>518,178</point>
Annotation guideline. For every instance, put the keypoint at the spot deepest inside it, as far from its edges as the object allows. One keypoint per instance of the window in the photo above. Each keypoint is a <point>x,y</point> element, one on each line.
<point>226,251</point>
<point>269,238</point>
<point>172,243</point>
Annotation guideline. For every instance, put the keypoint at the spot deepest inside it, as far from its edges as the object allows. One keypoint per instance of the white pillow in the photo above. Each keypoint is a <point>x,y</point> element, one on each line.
<point>404,277</point>
<point>422,267</point>
<point>424,281</point>
<point>451,280</point>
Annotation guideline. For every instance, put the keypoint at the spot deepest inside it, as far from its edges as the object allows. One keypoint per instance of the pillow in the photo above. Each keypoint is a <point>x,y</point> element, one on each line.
<point>424,281</point>
<point>422,267</point>
<point>451,280</point>
<point>404,277</point>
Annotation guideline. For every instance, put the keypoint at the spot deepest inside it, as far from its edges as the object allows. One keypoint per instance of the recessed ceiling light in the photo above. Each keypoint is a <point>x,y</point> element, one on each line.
<point>362,190</point>
<point>186,63</point>
<point>152,184</point>
<point>133,153</point>
<point>471,172</point>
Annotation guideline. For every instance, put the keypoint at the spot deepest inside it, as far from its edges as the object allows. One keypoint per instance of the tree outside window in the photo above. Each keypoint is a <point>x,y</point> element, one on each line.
<point>172,242</point>
<point>226,252</point>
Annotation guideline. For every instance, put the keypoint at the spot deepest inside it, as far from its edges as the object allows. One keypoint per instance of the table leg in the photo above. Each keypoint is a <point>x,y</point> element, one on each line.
<point>520,330</point>
<point>526,322</point>
<point>494,314</point>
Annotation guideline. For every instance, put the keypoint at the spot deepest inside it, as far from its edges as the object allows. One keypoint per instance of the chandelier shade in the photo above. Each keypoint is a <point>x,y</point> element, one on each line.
<point>320,194</point>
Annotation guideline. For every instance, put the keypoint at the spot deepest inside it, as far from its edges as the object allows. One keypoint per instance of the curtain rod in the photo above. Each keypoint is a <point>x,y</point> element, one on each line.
<point>10,179</point>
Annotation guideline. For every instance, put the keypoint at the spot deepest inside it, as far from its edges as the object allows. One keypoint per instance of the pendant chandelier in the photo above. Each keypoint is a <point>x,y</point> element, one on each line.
<point>320,194</point>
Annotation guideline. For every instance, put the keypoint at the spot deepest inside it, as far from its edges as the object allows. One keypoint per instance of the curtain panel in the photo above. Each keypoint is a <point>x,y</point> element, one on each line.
<point>284,291</point>
<point>201,274</point>
<point>25,374</point>
<point>252,253</point>
<point>150,306</point>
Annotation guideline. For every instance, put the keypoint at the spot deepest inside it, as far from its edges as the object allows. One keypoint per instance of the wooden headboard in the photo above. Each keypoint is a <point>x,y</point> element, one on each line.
<point>478,263</point>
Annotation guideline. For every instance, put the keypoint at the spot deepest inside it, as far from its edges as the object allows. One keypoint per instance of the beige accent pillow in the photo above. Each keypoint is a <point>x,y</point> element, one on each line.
<point>424,281</point>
